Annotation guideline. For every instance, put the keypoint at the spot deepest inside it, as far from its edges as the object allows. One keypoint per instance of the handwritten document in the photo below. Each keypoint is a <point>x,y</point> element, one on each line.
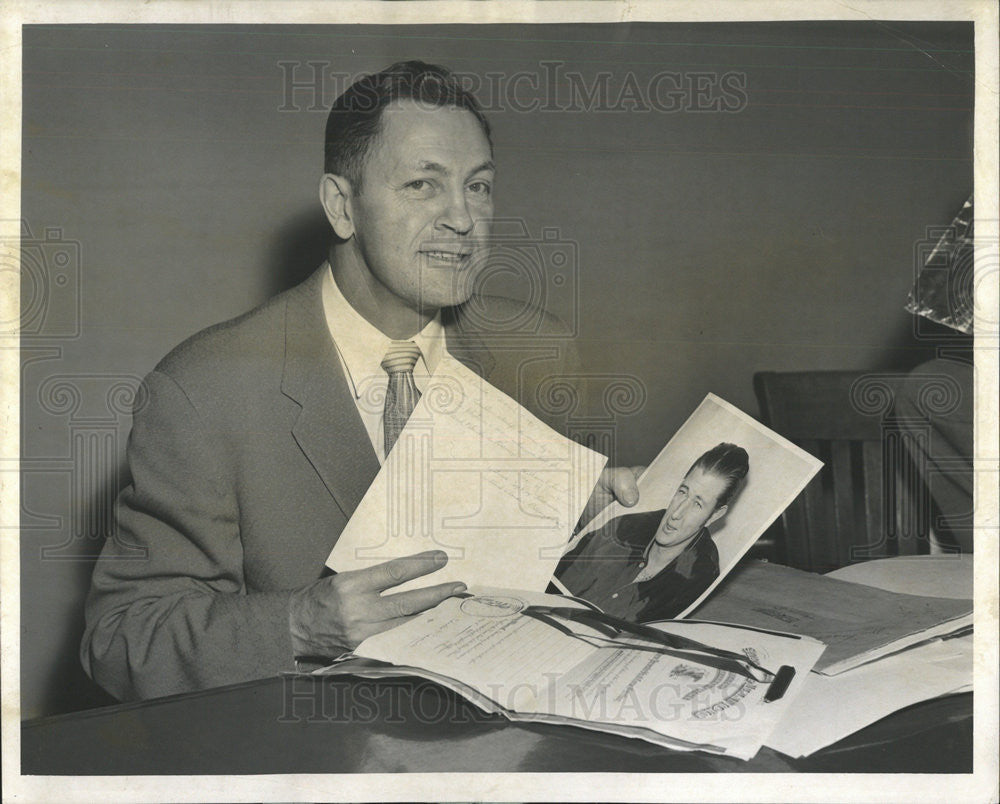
<point>535,671</point>
<point>474,474</point>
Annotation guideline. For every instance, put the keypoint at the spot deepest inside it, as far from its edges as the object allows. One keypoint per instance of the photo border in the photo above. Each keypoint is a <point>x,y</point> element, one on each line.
<point>981,785</point>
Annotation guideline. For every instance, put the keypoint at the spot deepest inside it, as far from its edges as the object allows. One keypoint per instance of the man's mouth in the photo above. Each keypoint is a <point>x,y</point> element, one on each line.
<point>453,257</point>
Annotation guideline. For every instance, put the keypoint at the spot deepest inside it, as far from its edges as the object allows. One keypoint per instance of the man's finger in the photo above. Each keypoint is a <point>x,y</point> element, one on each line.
<point>406,604</point>
<point>399,570</point>
<point>624,486</point>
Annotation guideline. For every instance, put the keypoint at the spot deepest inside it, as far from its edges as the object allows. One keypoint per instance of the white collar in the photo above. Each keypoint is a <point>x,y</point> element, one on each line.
<point>362,345</point>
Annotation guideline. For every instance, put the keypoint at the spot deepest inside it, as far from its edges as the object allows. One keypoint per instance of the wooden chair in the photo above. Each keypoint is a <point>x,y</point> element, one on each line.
<point>861,505</point>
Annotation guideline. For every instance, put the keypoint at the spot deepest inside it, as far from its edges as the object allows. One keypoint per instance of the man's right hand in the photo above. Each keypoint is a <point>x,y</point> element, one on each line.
<point>336,613</point>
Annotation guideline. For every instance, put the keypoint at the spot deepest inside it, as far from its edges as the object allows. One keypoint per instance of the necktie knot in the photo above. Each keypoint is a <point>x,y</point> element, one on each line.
<point>401,357</point>
<point>401,395</point>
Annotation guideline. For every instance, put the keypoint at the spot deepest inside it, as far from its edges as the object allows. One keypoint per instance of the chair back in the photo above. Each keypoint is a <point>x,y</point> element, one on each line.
<point>856,508</point>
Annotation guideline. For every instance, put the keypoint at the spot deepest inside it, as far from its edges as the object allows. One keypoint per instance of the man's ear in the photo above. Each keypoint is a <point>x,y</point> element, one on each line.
<point>717,514</point>
<point>335,196</point>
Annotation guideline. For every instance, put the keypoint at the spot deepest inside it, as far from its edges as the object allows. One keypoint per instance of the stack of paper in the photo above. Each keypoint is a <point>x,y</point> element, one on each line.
<point>887,649</point>
<point>488,648</point>
<point>858,623</point>
<point>833,707</point>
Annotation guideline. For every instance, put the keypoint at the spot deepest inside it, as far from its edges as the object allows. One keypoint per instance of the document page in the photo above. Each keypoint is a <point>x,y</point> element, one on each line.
<point>577,674</point>
<point>946,575</point>
<point>476,475</point>
<point>858,623</point>
<point>686,700</point>
<point>833,707</point>
<point>482,641</point>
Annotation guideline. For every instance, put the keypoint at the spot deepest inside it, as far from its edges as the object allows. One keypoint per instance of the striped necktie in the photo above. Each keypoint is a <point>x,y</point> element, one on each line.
<point>401,395</point>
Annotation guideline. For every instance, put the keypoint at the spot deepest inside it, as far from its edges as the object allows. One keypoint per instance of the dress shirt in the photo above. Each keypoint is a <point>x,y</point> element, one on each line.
<point>361,347</point>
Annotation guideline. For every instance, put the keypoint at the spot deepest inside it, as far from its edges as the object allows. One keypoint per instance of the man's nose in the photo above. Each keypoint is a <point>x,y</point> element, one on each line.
<point>679,511</point>
<point>456,216</point>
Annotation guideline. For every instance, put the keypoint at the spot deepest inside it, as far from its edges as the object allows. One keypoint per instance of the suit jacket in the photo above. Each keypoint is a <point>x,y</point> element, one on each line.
<point>248,457</point>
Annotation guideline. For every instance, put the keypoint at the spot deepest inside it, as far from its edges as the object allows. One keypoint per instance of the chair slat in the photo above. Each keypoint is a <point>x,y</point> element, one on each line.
<point>816,405</point>
<point>850,511</point>
<point>875,491</point>
<point>844,536</point>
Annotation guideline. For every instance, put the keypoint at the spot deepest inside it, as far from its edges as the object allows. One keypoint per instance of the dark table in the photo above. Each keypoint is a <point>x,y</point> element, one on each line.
<point>351,725</point>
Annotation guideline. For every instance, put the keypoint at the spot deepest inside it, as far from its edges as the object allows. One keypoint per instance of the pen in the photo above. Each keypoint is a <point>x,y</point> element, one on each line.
<point>780,684</point>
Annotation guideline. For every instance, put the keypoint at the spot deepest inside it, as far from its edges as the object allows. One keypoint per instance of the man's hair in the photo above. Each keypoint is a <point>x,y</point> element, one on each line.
<point>355,117</point>
<point>727,461</point>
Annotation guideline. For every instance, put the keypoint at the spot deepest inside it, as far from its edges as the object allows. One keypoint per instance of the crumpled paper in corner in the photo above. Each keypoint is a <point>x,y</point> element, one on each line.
<point>943,289</point>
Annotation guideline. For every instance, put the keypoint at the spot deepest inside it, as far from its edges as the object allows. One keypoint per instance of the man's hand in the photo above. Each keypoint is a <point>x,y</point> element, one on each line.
<point>336,613</point>
<point>615,483</point>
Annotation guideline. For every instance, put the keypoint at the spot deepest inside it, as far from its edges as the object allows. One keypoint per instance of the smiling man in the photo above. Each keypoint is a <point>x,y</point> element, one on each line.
<point>653,565</point>
<point>254,441</point>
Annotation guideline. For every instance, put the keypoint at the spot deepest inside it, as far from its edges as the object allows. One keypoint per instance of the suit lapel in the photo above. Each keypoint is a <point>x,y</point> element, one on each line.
<point>328,430</point>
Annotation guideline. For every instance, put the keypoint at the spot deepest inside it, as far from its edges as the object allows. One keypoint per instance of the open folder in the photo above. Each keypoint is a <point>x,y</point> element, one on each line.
<point>858,623</point>
<point>548,658</point>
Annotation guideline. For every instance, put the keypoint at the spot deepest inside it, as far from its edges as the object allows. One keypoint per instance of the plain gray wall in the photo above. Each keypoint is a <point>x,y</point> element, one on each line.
<point>711,245</point>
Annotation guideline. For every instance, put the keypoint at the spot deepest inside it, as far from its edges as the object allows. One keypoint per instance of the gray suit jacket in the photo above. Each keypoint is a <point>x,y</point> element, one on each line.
<point>248,456</point>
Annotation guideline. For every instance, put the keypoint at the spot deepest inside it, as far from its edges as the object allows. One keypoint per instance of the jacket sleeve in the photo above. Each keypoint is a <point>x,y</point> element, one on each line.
<point>168,610</point>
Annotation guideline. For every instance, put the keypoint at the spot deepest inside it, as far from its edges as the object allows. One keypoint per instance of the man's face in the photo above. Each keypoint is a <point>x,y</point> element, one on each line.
<point>692,507</point>
<point>423,214</point>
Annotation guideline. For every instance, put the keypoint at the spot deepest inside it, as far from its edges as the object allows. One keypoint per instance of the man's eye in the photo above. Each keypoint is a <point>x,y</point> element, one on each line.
<point>418,184</point>
<point>480,188</point>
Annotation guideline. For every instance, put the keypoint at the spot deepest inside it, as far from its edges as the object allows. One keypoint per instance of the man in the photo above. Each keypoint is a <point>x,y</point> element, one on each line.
<point>256,439</point>
<point>653,565</point>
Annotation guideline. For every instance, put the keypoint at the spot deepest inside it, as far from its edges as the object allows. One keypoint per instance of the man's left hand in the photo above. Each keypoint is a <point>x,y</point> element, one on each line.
<point>615,483</point>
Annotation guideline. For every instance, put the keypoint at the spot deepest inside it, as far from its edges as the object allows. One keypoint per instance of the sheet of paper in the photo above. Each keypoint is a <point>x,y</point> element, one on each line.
<point>365,668</point>
<point>534,669</point>
<point>476,475</point>
<point>481,641</point>
<point>706,708</point>
<point>858,623</point>
<point>833,707</point>
<point>936,576</point>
